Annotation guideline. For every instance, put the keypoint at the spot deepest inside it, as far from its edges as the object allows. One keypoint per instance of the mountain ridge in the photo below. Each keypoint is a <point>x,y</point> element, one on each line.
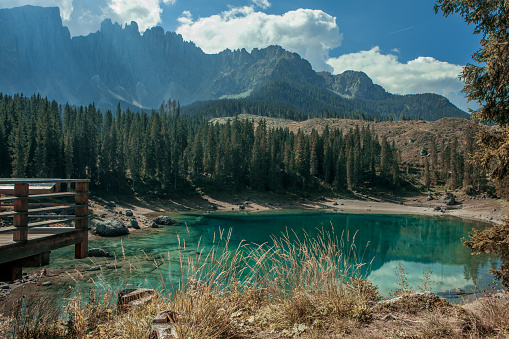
<point>119,64</point>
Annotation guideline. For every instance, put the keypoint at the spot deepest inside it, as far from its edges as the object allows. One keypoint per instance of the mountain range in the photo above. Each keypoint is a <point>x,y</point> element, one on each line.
<point>118,64</point>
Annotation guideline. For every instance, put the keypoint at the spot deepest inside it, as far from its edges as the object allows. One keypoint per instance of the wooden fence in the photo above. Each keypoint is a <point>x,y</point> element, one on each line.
<point>27,242</point>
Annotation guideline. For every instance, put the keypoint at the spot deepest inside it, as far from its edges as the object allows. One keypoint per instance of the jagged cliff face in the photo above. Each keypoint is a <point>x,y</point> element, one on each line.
<point>35,50</point>
<point>119,64</point>
<point>352,84</point>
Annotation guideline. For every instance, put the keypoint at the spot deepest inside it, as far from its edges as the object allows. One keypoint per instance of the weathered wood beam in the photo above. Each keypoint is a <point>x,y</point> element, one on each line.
<point>20,221</point>
<point>15,251</point>
<point>81,202</point>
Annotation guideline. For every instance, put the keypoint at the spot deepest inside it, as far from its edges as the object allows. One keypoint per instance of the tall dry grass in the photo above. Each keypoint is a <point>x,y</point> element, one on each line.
<point>307,287</point>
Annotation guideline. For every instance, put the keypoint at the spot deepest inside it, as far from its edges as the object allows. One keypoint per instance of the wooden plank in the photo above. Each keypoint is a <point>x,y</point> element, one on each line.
<point>24,210</point>
<point>8,214</point>
<point>50,230</point>
<point>11,181</point>
<point>53,195</point>
<point>34,188</point>
<point>39,229</point>
<point>52,222</point>
<point>51,209</point>
<point>37,260</point>
<point>40,204</point>
<point>11,229</point>
<point>15,251</point>
<point>50,216</point>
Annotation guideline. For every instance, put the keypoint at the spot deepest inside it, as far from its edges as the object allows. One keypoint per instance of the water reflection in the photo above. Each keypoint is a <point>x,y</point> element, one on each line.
<point>418,242</point>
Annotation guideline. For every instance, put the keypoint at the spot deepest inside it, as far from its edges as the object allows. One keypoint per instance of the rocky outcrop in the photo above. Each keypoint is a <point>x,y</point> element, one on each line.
<point>448,199</point>
<point>163,325</point>
<point>135,296</point>
<point>352,84</point>
<point>111,228</point>
<point>164,220</point>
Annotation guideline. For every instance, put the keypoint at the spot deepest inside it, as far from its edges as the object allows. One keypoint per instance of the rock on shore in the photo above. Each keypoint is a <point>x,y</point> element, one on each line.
<point>111,228</point>
<point>164,220</point>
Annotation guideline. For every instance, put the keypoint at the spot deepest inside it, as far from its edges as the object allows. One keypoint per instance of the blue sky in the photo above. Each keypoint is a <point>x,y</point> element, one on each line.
<point>401,44</point>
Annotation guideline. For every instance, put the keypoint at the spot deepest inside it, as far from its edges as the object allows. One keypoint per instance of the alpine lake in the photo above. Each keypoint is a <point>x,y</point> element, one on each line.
<point>384,243</point>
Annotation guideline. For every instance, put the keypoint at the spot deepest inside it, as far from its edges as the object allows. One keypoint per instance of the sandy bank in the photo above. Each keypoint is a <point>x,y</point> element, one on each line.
<point>478,209</point>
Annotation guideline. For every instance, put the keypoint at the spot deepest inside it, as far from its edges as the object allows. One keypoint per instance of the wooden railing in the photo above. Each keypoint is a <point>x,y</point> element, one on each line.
<point>21,202</point>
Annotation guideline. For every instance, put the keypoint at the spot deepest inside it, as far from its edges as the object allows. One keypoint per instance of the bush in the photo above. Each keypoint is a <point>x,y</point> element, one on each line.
<point>493,240</point>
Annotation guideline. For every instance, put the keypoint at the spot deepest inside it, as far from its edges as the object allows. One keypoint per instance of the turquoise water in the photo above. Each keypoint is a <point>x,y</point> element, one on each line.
<point>416,242</point>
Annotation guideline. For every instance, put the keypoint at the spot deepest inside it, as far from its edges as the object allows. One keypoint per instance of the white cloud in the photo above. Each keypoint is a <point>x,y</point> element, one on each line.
<point>66,9</point>
<point>185,18</point>
<point>311,33</point>
<point>146,13</point>
<point>261,3</point>
<point>421,75</point>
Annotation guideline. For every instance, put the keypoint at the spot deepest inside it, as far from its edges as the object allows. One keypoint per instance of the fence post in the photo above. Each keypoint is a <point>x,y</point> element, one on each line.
<point>81,249</point>
<point>21,205</point>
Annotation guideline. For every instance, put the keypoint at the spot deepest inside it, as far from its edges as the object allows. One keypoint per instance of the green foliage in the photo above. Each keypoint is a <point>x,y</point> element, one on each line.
<point>486,83</point>
<point>298,100</point>
<point>162,152</point>
<point>493,240</point>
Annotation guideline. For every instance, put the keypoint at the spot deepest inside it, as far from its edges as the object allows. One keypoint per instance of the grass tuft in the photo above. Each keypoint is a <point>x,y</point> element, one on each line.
<point>301,288</point>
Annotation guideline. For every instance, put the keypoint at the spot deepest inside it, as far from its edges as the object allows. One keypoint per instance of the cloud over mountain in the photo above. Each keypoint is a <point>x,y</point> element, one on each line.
<point>146,13</point>
<point>310,33</point>
<point>421,75</point>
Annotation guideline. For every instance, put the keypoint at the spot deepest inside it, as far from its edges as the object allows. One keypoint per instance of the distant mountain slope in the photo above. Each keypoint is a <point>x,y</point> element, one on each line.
<point>118,64</point>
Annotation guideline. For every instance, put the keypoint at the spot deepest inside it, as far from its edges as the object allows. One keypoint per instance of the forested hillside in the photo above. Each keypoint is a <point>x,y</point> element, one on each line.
<point>300,101</point>
<point>165,152</point>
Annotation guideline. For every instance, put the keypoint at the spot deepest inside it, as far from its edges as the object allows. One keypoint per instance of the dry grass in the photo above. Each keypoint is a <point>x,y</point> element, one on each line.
<point>308,288</point>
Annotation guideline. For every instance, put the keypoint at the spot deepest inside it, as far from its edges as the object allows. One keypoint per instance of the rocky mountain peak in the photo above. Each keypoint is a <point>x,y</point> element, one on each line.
<point>118,64</point>
<point>354,84</point>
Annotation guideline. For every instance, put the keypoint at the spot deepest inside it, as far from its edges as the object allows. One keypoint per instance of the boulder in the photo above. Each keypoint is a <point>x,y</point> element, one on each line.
<point>111,204</point>
<point>457,291</point>
<point>163,325</point>
<point>134,297</point>
<point>111,228</point>
<point>129,213</point>
<point>165,220</point>
<point>448,199</point>
<point>154,225</point>
<point>423,300</point>
<point>98,252</point>
<point>135,225</point>
<point>430,196</point>
<point>424,152</point>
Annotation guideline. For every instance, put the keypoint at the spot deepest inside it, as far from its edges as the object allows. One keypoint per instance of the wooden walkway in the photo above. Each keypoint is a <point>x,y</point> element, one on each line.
<point>29,244</point>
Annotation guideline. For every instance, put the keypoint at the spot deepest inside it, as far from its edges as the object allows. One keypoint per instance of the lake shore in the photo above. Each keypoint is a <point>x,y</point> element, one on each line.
<point>479,209</point>
<point>144,210</point>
